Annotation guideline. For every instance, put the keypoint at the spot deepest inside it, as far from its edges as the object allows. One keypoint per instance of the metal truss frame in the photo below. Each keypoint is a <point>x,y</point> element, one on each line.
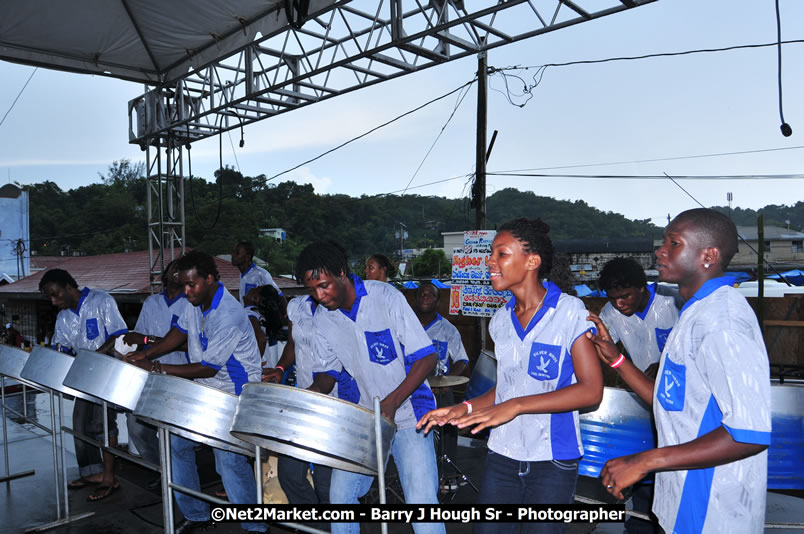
<point>343,46</point>
<point>165,206</point>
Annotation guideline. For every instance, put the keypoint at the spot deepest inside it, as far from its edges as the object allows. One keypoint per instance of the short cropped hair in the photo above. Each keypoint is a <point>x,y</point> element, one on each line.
<point>622,273</point>
<point>248,246</point>
<point>427,283</point>
<point>322,257</point>
<point>203,263</point>
<point>532,233</point>
<point>714,229</point>
<point>57,276</point>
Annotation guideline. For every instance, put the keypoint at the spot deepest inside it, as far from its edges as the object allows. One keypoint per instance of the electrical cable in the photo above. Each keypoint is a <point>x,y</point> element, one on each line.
<point>766,262</point>
<point>787,131</point>
<point>18,96</point>
<point>653,177</point>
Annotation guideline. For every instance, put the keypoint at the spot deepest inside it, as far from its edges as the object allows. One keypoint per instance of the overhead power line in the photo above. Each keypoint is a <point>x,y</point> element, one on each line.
<point>653,177</point>
<point>18,96</point>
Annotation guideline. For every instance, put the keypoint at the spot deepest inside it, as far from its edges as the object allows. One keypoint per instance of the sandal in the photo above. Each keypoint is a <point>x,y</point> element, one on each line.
<point>102,492</point>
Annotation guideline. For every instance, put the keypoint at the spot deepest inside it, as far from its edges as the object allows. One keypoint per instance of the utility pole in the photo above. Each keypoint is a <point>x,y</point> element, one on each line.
<point>479,190</point>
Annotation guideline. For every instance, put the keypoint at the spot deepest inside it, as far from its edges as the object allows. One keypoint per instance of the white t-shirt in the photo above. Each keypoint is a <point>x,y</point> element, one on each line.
<point>533,361</point>
<point>91,324</point>
<point>446,342</point>
<point>158,316</point>
<point>643,334</point>
<point>222,338</point>
<point>376,342</point>
<point>714,372</point>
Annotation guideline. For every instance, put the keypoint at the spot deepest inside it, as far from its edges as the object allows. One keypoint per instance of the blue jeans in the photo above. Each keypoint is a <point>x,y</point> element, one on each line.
<point>508,481</point>
<point>235,472</point>
<point>293,480</point>
<point>415,460</point>
<point>145,439</point>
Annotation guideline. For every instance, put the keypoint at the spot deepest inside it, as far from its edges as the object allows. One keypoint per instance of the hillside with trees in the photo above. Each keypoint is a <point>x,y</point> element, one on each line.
<point>110,216</point>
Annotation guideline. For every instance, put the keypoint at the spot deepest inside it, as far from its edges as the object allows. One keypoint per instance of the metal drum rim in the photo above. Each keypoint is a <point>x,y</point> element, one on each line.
<point>98,356</point>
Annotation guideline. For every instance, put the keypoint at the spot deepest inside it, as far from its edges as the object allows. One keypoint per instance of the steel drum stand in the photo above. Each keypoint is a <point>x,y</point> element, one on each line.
<point>9,476</point>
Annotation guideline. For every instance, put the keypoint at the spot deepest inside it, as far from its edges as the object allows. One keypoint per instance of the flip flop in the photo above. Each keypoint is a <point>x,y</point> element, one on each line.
<point>80,483</point>
<point>102,492</point>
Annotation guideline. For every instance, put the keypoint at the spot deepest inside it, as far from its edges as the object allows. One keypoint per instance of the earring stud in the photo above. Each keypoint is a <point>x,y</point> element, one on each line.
<point>706,265</point>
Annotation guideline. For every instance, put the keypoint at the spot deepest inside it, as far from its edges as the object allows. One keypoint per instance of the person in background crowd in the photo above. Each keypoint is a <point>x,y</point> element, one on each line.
<point>362,328</point>
<point>251,274</point>
<point>159,314</point>
<point>547,370</point>
<point>378,267</point>
<point>224,355</point>
<point>711,402</point>
<point>87,319</point>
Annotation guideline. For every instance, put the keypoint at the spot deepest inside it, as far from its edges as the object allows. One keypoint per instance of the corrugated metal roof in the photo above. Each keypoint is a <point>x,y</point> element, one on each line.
<point>124,273</point>
<point>749,233</point>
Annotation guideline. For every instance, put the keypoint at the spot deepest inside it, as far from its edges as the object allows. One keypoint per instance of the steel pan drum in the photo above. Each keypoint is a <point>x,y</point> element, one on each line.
<point>622,425</point>
<point>107,378</point>
<point>12,360</point>
<point>446,381</point>
<point>484,375</point>
<point>194,411</point>
<point>312,427</point>
<point>48,368</point>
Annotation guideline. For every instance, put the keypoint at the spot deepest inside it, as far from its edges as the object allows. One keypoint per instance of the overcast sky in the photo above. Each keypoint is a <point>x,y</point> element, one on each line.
<point>68,127</point>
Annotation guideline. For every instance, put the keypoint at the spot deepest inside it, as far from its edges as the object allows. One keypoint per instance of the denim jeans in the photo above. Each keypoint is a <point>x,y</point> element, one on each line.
<point>415,460</point>
<point>235,472</point>
<point>508,481</point>
<point>88,421</point>
<point>642,499</point>
<point>144,437</point>
<point>293,480</point>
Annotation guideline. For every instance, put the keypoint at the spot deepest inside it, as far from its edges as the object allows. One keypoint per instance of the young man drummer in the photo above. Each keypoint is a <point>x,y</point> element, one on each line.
<point>362,326</point>
<point>224,355</point>
<point>711,400</point>
<point>638,314</point>
<point>88,319</point>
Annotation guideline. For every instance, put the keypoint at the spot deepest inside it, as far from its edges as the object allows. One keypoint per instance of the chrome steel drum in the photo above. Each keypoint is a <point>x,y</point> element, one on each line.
<point>48,368</point>
<point>12,360</point>
<point>620,425</point>
<point>312,427</point>
<point>191,410</point>
<point>484,375</point>
<point>107,378</point>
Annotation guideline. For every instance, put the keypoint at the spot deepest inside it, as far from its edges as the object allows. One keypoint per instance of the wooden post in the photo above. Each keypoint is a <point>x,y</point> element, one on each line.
<point>761,272</point>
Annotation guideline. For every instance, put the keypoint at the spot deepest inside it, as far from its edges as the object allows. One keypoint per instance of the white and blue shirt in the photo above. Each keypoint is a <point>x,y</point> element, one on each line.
<point>446,342</point>
<point>90,324</point>
<point>159,314</point>
<point>301,313</point>
<point>255,276</point>
<point>377,342</point>
<point>537,360</point>
<point>714,372</point>
<point>222,338</point>
<point>645,333</point>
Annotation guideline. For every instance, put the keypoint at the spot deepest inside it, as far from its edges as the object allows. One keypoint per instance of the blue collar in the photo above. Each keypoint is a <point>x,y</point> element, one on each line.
<point>644,313</point>
<point>360,292</point>
<point>84,295</point>
<point>215,300</point>
<point>550,301</point>
<point>709,287</point>
<point>174,301</point>
<point>313,305</point>
<point>437,318</point>
<point>248,270</point>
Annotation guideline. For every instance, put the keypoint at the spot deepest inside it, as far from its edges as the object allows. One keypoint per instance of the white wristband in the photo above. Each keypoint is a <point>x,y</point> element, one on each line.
<point>468,405</point>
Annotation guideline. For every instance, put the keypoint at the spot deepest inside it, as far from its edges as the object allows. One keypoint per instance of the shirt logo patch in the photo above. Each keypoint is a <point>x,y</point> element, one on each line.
<point>174,321</point>
<point>672,384</point>
<point>204,341</point>
<point>92,328</point>
<point>661,337</point>
<point>543,364</point>
<point>440,348</point>
<point>381,346</point>
<point>248,287</point>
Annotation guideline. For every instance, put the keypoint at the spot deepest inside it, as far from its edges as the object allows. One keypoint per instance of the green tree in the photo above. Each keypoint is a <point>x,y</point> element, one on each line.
<point>432,262</point>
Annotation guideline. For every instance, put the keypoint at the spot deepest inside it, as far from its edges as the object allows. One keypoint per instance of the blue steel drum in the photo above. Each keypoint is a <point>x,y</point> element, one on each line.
<point>622,425</point>
<point>484,376</point>
<point>786,452</point>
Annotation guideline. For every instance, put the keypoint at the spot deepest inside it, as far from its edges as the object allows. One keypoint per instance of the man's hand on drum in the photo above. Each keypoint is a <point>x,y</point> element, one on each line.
<point>141,362</point>
<point>272,374</point>
<point>441,416</point>
<point>606,349</point>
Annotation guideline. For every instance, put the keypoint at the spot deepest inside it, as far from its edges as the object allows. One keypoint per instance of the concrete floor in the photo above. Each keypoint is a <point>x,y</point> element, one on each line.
<point>31,501</point>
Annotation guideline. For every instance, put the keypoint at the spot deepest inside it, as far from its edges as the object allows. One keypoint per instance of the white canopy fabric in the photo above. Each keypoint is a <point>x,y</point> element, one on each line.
<point>149,41</point>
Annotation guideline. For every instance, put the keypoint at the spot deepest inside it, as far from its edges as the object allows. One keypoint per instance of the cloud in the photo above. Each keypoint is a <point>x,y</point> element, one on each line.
<point>304,175</point>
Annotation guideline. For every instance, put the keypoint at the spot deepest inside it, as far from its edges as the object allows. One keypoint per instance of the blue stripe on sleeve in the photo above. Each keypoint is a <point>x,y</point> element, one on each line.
<point>211,365</point>
<point>749,436</point>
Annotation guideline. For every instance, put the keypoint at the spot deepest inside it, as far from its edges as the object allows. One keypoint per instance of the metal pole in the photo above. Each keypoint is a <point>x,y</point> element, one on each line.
<point>258,473</point>
<point>167,491</point>
<point>761,272</point>
<point>9,476</point>
<point>54,434</point>
<point>380,455</point>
